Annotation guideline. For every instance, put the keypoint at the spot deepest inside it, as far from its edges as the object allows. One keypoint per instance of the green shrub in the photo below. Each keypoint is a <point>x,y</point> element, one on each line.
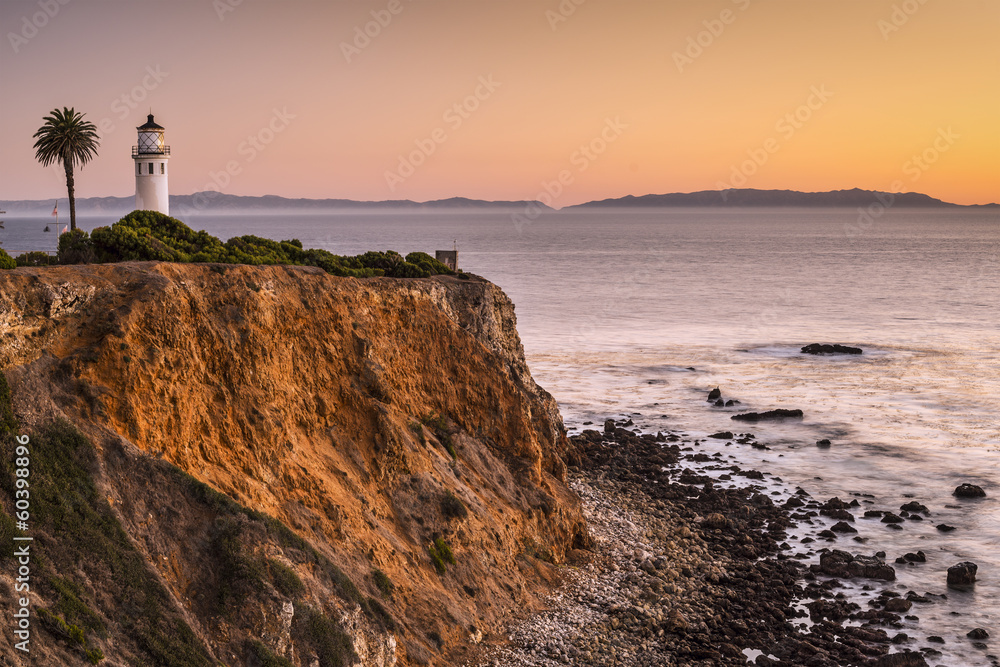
<point>285,579</point>
<point>325,636</point>
<point>6,261</point>
<point>382,582</point>
<point>35,258</point>
<point>452,506</point>
<point>8,423</point>
<point>240,574</point>
<point>8,530</point>
<point>152,236</point>
<point>264,656</point>
<point>428,264</point>
<point>441,555</point>
<point>75,247</point>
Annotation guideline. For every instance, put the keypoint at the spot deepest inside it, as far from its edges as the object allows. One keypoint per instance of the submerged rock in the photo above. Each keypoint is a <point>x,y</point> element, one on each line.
<point>823,443</point>
<point>824,348</point>
<point>770,415</point>
<point>978,633</point>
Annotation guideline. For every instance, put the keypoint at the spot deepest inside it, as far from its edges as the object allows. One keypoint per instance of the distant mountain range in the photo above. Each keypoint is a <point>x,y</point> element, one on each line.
<point>215,202</point>
<point>749,197</point>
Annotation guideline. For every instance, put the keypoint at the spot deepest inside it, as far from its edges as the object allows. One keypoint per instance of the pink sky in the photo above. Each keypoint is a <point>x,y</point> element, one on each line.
<point>499,100</point>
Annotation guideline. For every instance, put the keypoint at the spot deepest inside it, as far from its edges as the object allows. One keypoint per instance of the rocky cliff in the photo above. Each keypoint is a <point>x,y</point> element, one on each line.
<point>286,467</point>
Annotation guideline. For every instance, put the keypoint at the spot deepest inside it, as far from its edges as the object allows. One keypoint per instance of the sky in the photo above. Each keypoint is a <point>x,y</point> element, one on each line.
<point>573,99</point>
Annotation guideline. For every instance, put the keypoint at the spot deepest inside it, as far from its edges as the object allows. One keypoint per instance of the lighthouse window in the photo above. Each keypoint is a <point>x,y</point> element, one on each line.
<point>163,167</point>
<point>138,168</point>
<point>150,168</point>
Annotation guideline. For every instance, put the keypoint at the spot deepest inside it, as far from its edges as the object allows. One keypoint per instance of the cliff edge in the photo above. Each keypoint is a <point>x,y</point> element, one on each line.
<point>392,478</point>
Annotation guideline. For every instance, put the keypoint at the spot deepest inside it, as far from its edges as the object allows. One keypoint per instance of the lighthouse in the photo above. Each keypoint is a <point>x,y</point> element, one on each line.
<point>151,157</point>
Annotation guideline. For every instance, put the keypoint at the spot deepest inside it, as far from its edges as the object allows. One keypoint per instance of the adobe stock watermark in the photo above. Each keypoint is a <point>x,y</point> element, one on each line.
<point>248,149</point>
<point>900,16</point>
<point>696,44</point>
<point>454,116</point>
<point>786,127</point>
<point>123,106</point>
<point>22,543</point>
<point>48,9</point>
<point>915,167</point>
<point>364,34</point>
<point>223,7</point>
<point>562,13</point>
<point>581,158</point>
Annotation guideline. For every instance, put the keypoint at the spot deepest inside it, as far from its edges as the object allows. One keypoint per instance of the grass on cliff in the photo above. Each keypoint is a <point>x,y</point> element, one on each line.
<point>76,531</point>
<point>153,236</point>
<point>245,573</point>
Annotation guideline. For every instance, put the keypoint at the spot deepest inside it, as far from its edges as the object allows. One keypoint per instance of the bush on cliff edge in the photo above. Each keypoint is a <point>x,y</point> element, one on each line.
<point>6,261</point>
<point>153,236</point>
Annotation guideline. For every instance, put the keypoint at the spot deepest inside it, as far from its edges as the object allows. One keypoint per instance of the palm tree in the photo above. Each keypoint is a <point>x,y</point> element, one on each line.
<point>66,137</point>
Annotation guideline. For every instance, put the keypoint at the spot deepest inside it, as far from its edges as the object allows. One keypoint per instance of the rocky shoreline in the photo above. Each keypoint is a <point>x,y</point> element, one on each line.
<point>686,572</point>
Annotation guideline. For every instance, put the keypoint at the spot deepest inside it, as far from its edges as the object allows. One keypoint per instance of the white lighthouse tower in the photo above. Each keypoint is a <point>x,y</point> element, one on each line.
<point>151,157</point>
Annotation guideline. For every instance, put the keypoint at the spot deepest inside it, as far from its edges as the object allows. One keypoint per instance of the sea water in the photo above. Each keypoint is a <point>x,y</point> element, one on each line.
<point>642,312</point>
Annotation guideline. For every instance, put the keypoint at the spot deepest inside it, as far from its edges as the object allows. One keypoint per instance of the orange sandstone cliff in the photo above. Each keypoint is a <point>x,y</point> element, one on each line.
<point>393,478</point>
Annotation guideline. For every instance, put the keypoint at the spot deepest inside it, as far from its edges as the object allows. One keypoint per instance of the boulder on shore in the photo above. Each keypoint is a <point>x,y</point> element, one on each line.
<point>824,348</point>
<point>969,491</point>
<point>963,574</point>
<point>770,415</point>
<point>843,565</point>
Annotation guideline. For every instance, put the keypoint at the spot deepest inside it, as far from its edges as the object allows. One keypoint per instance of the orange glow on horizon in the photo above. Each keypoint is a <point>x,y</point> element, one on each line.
<point>494,101</point>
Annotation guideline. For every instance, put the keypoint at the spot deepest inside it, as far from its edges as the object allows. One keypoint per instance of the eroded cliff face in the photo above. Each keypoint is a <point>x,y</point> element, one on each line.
<point>350,410</point>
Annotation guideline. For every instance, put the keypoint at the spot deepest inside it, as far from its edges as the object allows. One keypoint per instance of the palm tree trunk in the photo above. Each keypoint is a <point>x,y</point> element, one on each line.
<point>70,185</point>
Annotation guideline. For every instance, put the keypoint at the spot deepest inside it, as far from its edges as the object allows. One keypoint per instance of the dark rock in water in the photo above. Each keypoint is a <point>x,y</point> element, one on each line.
<point>823,443</point>
<point>963,574</point>
<point>731,402</point>
<point>843,527</point>
<point>714,395</point>
<point>719,403</point>
<point>889,517</point>
<point>919,557</point>
<point>873,514</point>
<point>945,528</point>
<point>609,426</point>
<point>841,564</point>
<point>770,415</point>
<point>822,348</point>
<point>913,506</point>
<point>898,606</point>
<point>907,659</point>
<point>978,633</point>
<point>723,435</point>
<point>936,639</point>
<point>827,534</point>
<point>969,491</point>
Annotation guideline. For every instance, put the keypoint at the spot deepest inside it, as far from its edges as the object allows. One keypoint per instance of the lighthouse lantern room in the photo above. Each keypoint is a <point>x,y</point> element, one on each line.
<point>151,157</point>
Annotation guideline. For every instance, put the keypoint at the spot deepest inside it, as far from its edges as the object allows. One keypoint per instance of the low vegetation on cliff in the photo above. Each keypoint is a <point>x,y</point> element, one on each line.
<point>152,236</point>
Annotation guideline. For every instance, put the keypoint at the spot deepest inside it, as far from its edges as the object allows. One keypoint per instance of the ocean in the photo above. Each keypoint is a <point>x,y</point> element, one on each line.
<point>642,312</point>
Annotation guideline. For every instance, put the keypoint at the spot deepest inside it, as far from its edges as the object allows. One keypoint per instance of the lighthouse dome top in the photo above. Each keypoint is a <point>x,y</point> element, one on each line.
<point>150,124</point>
